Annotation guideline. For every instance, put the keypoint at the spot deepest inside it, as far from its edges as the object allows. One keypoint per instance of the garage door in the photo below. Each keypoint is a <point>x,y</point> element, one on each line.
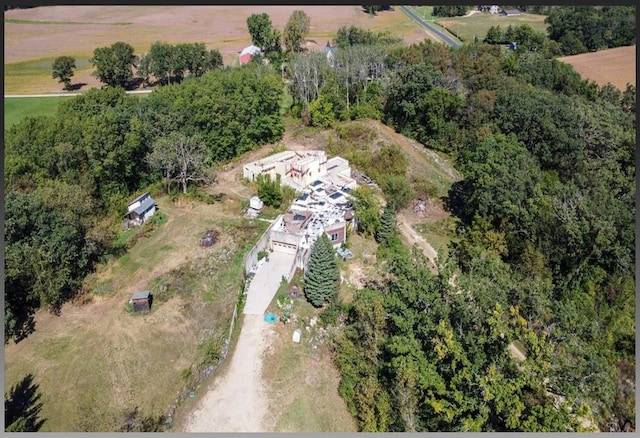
<point>283,247</point>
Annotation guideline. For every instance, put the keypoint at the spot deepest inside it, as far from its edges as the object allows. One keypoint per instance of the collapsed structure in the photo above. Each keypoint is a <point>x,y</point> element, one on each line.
<point>323,207</point>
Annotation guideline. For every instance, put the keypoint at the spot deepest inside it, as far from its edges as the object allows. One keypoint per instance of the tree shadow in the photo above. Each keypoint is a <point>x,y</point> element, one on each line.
<point>134,84</point>
<point>22,407</point>
<point>75,87</point>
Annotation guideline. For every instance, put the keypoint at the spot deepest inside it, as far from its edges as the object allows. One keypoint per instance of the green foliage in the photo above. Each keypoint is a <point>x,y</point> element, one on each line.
<point>321,113</point>
<point>387,224</point>
<point>62,69</point>
<point>580,29</point>
<point>269,190</point>
<point>366,208</point>
<point>179,158</point>
<point>114,64</point>
<point>296,30</point>
<point>216,106</point>
<point>449,11</point>
<point>397,191</point>
<point>321,275</point>
<point>355,36</point>
<point>263,35</point>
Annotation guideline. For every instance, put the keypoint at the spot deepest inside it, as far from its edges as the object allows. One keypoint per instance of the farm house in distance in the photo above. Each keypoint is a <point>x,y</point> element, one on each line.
<point>140,209</point>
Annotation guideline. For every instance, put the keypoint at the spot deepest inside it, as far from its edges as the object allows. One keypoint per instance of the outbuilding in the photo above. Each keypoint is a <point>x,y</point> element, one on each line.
<point>141,301</point>
<point>141,209</point>
<point>510,12</point>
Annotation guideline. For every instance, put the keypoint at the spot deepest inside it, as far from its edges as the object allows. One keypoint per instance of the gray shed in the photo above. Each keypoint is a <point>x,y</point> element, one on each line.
<point>141,301</point>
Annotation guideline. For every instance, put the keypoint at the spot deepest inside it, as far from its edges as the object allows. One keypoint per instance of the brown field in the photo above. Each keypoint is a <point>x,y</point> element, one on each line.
<point>617,66</point>
<point>219,27</point>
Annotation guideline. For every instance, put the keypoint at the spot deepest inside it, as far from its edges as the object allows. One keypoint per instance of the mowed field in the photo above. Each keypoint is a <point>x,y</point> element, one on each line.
<point>478,24</point>
<point>95,361</point>
<point>35,37</point>
<point>616,66</point>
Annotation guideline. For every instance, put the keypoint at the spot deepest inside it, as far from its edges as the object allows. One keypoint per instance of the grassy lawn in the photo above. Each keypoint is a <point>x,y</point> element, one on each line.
<point>438,232</point>
<point>302,380</point>
<point>94,362</point>
<point>29,76</point>
<point>16,109</point>
<point>466,28</point>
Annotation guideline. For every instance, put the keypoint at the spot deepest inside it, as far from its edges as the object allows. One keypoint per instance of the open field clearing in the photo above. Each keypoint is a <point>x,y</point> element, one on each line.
<point>478,24</point>
<point>36,37</point>
<point>16,109</point>
<point>95,361</point>
<point>617,66</point>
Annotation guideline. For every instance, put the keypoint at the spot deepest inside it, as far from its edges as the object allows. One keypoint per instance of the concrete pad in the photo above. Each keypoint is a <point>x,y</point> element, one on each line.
<point>266,282</point>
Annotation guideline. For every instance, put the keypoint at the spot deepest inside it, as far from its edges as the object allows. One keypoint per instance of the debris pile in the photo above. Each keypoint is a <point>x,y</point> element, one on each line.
<point>209,238</point>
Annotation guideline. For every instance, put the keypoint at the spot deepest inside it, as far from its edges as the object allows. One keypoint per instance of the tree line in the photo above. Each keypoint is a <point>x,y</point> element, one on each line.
<point>542,260</point>
<point>118,66</point>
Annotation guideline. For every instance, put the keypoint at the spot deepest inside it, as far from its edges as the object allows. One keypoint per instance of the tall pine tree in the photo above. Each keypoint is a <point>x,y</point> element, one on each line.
<point>387,225</point>
<point>321,275</point>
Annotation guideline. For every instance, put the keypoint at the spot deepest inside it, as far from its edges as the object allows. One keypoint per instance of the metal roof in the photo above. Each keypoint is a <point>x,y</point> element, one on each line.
<point>144,206</point>
<point>140,295</point>
<point>144,195</point>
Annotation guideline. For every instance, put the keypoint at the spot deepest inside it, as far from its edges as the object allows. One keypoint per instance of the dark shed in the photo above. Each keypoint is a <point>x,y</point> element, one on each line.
<point>141,301</point>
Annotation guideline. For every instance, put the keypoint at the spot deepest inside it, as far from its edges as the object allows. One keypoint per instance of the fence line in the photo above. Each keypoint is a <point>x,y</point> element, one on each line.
<point>206,372</point>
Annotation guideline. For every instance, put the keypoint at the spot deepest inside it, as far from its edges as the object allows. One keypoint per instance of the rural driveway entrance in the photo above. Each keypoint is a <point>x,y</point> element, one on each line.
<point>264,285</point>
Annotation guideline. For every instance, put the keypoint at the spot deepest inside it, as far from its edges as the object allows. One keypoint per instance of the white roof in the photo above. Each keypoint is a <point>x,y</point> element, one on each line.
<point>251,49</point>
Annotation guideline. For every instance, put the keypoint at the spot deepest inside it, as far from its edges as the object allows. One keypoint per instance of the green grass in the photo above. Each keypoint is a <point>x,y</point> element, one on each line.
<point>19,21</point>
<point>478,24</point>
<point>16,109</point>
<point>40,66</point>
<point>438,233</point>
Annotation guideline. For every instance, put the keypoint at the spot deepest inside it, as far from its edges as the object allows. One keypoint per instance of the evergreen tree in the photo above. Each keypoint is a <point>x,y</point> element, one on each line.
<point>387,225</point>
<point>321,274</point>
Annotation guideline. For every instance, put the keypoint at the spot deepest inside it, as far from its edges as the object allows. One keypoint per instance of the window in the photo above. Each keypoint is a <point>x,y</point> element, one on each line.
<point>334,237</point>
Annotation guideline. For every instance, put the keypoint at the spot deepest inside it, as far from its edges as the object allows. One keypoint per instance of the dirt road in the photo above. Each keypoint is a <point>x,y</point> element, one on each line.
<point>237,400</point>
<point>413,237</point>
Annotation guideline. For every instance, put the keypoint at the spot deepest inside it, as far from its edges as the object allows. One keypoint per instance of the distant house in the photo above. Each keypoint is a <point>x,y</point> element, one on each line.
<point>249,52</point>
<point>494,9</point>
<point>141,209</point>
<point>141,301</point>
<point>510,12</point>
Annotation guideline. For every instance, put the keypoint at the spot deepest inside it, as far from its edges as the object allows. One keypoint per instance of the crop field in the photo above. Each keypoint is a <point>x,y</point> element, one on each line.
<point>617,66</point>
<point>466,28</point>
<point>35,37</point>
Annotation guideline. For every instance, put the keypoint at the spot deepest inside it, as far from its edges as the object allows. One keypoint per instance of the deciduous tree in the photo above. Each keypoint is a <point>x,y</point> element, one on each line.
<point>114,64</point>
<point>63,68</point>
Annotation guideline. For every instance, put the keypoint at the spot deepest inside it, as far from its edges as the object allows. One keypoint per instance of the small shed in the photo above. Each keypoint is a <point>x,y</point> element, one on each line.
<point>141,209</point>
<point>256,203</point>
<point>141,301</point>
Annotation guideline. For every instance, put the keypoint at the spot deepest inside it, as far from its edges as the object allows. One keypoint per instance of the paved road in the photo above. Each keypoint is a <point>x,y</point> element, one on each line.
<point>69,94</point>
<point>443,36</point>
